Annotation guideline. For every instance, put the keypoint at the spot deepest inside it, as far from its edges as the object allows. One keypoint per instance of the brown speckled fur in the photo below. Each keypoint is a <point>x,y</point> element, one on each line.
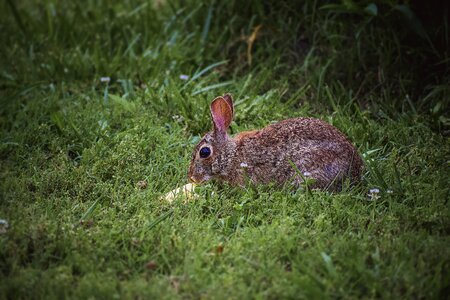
<point>319,150</point>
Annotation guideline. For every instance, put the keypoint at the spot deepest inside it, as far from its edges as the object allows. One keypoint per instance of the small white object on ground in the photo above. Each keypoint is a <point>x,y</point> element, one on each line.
<point>3,226</point>
<point>186,192</point>
<point>373,194</point>
<point>374,191</point>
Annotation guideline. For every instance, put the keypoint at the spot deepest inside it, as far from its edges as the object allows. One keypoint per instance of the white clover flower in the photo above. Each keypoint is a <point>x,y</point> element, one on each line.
<point>306,174</point>
<point>3,226</point>
<point>244,165</point>
<point>373,194</point>
<point>184,77</point>
<point>105,79</point>
<point>178,118</point>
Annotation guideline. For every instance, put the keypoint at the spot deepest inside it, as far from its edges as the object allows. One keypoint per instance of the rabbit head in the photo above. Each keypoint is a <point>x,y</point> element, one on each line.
<point>214,152</point>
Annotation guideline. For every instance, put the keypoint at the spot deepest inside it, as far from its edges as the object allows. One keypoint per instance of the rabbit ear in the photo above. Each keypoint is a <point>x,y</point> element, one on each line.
<point>229,100</point>
<point>222,114</point>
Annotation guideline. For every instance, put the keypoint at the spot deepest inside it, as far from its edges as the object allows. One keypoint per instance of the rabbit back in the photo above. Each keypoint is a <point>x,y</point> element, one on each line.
<point>317,149</point>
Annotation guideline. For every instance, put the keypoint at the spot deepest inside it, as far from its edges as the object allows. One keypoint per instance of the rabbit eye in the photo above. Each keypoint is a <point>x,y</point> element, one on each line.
<point>205,152</point>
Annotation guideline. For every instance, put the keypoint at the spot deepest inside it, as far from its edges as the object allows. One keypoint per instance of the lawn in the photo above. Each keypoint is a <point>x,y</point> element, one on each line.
<point>102,103</point>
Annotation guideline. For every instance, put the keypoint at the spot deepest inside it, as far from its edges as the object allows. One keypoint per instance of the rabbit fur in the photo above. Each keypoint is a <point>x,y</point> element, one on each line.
<point>318,150</point>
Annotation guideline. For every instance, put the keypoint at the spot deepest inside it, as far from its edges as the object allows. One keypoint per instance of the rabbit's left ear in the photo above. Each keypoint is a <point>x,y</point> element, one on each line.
<point>222,114</point>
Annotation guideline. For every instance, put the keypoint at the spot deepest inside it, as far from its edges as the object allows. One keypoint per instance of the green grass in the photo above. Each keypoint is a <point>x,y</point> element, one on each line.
<point>73,149</point>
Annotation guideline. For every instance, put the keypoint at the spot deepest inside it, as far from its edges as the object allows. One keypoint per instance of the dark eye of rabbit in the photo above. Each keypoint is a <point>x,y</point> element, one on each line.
<point>205,152</point>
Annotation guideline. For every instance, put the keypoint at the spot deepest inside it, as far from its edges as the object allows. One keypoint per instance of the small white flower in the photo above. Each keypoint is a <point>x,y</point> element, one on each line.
<point>178,118</point>
<point>389,191</point>
<point>3,226</point>
<point>244,165</point>
<point>373,194</point>
<point>184,77</point>
<point>306,174</point>
<point>105,79</point>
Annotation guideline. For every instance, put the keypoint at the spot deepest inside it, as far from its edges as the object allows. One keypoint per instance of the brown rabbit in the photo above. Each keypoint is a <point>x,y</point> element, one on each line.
<point>320,151</point>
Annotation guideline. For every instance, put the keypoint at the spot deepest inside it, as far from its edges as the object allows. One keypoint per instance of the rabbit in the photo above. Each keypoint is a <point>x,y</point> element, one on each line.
<point>322,155</point>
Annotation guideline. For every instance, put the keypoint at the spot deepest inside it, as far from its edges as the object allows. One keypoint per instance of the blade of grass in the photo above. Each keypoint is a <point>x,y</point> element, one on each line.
<point>88,212</point>
<point>17,17</point>
<point>156,221</point>
<point>211,87</point>
<point>207,24</point>
<point>204,70</point>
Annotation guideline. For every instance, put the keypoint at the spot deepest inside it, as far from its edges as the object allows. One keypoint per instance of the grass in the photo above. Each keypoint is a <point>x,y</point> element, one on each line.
<point>73,149</point>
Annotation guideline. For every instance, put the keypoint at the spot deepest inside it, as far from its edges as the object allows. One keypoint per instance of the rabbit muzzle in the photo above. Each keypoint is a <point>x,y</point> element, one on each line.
<point>197,180</point>
<point>198,174</point>
<point>192,179</point>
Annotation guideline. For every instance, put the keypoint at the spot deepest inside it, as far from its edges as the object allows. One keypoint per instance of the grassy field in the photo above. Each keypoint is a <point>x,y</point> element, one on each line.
<point>98,97</point>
